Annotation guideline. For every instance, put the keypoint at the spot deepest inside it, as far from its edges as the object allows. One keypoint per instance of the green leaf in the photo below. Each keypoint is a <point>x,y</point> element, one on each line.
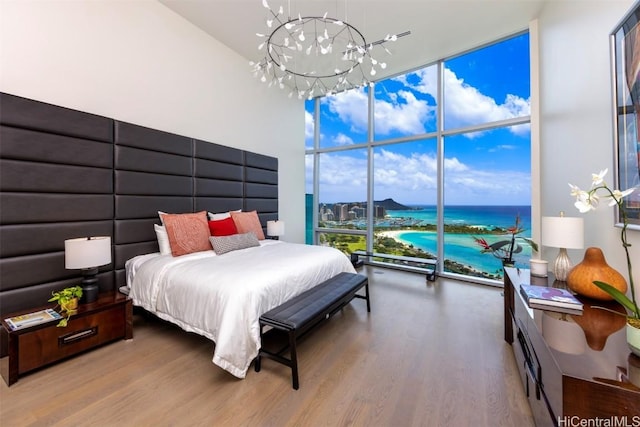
<point>618,296</point>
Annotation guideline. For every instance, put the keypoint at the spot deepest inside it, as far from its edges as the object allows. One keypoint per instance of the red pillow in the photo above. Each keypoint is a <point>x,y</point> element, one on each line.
<point>223,227</point>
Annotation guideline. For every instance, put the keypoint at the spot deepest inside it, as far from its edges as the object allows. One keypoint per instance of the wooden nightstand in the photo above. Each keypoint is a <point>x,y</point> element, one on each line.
<point>108,319</point>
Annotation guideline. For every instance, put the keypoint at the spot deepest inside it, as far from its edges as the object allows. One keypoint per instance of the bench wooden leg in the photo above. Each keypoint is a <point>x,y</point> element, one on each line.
<point>294,359</point>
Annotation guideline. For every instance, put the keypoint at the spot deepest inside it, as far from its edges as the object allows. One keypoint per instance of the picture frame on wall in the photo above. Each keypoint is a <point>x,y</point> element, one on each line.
<point>625,61</point>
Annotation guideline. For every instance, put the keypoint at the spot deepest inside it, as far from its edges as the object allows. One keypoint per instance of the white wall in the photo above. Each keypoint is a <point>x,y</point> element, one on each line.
<point>576,118</point>
<point>139,62</point>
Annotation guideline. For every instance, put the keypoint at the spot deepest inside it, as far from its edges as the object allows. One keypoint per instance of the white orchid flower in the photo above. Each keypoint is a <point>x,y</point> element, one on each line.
<point>598,179</point>
<point>619,195</point>
<point>583,205</point>
<point>575,190</point>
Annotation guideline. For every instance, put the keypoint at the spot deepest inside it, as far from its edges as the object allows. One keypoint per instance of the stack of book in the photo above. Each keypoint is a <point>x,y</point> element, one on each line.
<point>32,319</point>
<point>552,299</point>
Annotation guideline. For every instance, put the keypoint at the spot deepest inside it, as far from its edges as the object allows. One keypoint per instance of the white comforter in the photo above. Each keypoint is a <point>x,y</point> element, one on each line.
<point>222,296</point>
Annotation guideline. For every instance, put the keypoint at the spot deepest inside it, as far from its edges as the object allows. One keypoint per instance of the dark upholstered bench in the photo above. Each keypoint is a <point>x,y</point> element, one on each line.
<point>301,313</point>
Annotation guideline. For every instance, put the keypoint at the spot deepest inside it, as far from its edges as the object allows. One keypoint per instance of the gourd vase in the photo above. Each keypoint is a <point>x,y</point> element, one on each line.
<point>594,267</point>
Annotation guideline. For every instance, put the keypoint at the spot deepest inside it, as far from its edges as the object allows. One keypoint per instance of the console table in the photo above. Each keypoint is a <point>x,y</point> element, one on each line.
<point>564,374</point>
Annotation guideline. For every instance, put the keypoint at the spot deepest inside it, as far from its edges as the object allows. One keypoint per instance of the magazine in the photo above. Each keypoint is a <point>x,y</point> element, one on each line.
<point>549,298</point>
<point>32,319</point>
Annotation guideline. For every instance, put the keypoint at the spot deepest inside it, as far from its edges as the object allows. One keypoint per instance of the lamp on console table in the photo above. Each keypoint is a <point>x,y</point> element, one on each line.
<point>275,229</point>
<point>564,233</point>
<point>87,254</point>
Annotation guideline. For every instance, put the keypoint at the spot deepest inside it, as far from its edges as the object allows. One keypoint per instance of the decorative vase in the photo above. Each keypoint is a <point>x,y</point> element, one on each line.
<point>598,324</point>
<point>633,338</point>
<point>594,267</point>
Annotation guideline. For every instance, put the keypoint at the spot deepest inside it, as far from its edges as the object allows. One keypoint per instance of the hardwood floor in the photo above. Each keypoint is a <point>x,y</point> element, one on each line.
<point>426,355</point>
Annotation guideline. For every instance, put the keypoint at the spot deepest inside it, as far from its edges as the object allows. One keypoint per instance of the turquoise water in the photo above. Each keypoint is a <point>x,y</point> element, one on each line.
<point>461,247</point>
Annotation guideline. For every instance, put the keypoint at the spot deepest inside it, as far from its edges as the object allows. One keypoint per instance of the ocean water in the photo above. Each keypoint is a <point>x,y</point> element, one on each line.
<point>461,247</point>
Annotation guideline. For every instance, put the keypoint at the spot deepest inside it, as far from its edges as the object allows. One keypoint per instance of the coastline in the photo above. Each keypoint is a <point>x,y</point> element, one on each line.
<point>452,266</point>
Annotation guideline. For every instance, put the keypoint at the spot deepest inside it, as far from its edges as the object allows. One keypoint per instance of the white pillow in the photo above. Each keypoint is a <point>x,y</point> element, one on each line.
<point>218,216</point>
<point>163,239</point>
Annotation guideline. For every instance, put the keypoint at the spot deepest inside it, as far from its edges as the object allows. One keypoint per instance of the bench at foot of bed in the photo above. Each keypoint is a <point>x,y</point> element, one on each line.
<point>301,313</point>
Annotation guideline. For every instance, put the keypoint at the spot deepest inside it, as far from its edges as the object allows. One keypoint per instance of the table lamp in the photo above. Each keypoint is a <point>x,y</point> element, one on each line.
<point>87,254</point>
<point>564,233</point>
<point>275,229</point>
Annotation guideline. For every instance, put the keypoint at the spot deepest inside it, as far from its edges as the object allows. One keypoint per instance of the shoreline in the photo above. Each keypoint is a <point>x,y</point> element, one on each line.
<point>455,266</point>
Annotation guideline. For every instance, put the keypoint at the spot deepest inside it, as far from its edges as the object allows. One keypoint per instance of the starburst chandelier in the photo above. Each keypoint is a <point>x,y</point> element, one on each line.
<point>316,55</point>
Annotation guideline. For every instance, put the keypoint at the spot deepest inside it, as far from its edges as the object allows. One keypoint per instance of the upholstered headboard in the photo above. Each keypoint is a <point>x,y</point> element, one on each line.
<point>66,173</point>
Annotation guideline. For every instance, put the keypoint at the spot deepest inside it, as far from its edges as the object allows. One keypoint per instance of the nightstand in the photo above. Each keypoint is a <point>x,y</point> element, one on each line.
<point>108,319</point>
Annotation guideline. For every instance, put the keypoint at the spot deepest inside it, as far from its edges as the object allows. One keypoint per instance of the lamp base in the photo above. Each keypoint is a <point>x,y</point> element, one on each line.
<point>89,284</point>
<point>562,265</point>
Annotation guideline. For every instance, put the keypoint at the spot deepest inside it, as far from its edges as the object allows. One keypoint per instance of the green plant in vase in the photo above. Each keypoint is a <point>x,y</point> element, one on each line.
<point>587,201</point>
<point>67,299</point>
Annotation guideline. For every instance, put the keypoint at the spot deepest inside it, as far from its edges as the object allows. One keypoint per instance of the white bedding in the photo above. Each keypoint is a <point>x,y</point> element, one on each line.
<point>222,296</point>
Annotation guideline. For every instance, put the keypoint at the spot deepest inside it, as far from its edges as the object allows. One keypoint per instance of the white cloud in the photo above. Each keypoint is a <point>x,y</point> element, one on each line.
<point>342,139</point>
<point>351,108</point>
<point>412,179</point>
<point>308,129</point>
<point>464,104</point>
<point>405,113</point>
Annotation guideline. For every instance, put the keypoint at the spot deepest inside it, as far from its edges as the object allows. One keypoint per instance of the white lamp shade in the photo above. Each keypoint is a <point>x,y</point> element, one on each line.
<point>275,228</point>
<point>563,232</point>
<point>87,252</point>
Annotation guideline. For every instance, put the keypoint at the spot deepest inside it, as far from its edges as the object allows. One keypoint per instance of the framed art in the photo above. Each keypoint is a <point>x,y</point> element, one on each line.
<point>625,53</point>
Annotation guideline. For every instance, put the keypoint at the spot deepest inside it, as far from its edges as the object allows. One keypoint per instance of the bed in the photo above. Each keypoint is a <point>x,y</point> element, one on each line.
<point>222,296</point>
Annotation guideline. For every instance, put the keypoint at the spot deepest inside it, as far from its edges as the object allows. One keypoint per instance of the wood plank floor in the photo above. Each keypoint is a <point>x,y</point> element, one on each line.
<point>427,355</point>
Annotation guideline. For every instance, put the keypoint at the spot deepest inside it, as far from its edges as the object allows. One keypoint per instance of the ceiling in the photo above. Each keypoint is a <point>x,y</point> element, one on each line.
<point>439,28</point>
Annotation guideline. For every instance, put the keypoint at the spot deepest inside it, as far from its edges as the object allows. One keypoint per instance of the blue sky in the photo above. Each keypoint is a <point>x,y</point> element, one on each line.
<point>484,168</point>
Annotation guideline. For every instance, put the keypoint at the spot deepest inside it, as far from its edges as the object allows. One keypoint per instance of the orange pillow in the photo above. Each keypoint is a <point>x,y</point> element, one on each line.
<point>187,233</point>
<point>248,222</point>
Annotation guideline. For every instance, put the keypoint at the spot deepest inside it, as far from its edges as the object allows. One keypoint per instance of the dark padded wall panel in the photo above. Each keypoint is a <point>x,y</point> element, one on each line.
<point>219,177</point>
<point>131,135</point>
<point>66,174</point>
<point>220,153</point>
<point>153,172</point>
<point>261,186</point>
<point>56,183</point>
<point>29,114</point>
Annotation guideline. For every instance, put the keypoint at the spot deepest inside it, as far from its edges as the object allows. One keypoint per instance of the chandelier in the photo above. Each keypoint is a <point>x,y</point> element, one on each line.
<point>316,55</point>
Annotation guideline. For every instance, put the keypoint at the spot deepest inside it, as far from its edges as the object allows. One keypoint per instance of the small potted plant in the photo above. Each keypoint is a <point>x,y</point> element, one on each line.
<point>67,299</point>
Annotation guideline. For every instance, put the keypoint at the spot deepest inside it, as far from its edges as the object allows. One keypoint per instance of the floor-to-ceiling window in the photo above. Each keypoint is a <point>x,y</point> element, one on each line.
<point>427,163</point>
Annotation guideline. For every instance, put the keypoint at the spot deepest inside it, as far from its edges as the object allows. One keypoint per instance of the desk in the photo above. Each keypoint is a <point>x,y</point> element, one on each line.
<point>563,373</point>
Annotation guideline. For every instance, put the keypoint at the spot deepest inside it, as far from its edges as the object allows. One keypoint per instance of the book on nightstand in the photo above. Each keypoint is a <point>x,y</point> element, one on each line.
<point>32,319</point>
<point>552,299</point>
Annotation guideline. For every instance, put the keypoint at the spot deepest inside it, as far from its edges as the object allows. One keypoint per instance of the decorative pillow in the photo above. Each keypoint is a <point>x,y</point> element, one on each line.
<point>248,222</point>
<point>223,227</point>
<point>163,239</point>
<point>223,244</point>
<point>218,216</point>
<point>187,233</point>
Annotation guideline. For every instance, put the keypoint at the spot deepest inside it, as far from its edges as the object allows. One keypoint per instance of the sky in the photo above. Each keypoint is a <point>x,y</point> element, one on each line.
<point>481,168</point>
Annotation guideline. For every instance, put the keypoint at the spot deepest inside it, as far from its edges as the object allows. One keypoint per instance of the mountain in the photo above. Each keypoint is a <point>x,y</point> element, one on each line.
<point>391,205</point>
